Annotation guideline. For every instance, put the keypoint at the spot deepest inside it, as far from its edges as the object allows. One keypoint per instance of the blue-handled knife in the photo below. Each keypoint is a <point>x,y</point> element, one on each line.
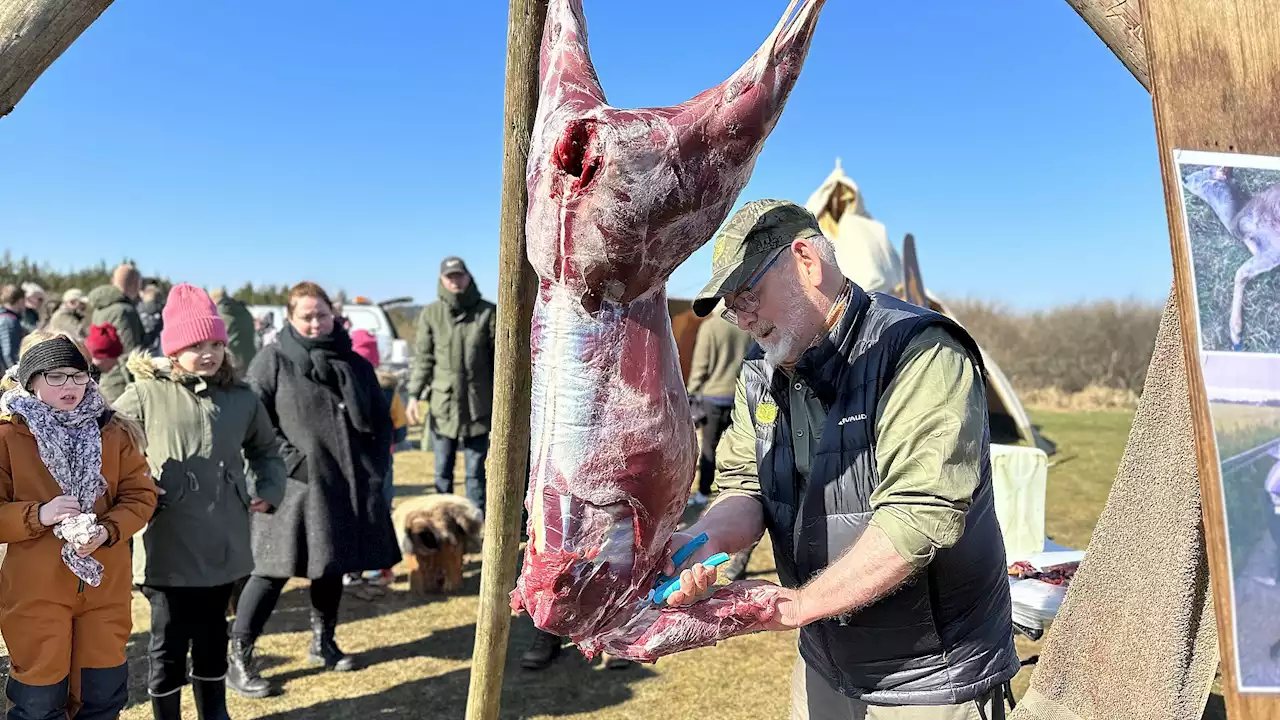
<point>665,590</point>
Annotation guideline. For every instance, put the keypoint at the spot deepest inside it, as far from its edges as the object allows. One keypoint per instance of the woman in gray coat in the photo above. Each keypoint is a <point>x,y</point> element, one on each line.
<point>334,430</point>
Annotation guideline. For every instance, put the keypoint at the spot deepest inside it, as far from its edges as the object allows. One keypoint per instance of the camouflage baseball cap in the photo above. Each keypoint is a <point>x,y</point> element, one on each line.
<point>745,243</point>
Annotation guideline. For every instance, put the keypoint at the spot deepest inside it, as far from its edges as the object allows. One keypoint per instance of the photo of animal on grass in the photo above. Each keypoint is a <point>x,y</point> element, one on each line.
<point>1232,211</point>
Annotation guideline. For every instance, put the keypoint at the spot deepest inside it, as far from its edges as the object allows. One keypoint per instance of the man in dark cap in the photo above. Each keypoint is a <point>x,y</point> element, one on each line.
<point>453,372</point>
<point>859,440</point>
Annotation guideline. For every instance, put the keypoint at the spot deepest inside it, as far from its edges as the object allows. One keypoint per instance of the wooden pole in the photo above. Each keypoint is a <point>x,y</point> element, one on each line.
<point>508,461</point>
<point>912,282</point>
<point>33,33</point>
<point>1119,24</point>
<point>1214,65</point>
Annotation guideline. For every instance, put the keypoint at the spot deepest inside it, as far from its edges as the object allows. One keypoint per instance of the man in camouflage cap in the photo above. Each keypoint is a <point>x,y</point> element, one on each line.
<point>746,243</point>
<point>859,439</point>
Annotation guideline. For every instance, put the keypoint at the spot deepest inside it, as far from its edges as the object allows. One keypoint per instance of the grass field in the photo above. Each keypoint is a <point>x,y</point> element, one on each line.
<point>417,654</point>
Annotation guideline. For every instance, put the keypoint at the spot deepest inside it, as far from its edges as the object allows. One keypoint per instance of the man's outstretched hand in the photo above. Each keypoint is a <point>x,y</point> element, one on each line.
<point>790,613</point>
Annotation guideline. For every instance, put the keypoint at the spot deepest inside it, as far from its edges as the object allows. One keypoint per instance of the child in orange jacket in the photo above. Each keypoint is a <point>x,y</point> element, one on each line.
<point>74,487</point>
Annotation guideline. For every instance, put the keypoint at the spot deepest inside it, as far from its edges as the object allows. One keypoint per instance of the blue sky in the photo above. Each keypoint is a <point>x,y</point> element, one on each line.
<point>276,141</point>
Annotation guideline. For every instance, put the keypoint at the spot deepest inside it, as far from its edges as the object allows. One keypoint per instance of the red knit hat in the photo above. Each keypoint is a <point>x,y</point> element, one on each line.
<point>190,317</point>
<point>104,342</point>
<point>366,346</point>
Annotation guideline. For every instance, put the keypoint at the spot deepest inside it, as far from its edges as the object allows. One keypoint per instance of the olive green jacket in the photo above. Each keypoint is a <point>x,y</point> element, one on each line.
<point>453,362</point>
<point>930,421</point>
<point>112,384</point>
<point>718,351</point>
<point>240,331</point>
<point>212,450</point>
<point>108,305</point>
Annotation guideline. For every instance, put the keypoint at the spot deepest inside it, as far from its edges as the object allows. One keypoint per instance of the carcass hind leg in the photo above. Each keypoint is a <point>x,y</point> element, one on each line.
<point>1256,265</point>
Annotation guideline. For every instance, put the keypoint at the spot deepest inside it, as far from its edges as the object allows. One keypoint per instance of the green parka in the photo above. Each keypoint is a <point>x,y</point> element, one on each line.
<point>108,305</point>
<point>240,331</point>
<point>453,362</point>
<point>212,450</point>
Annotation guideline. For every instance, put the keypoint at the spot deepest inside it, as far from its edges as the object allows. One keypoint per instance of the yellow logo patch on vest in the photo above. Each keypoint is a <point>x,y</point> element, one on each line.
<point>766,412</point>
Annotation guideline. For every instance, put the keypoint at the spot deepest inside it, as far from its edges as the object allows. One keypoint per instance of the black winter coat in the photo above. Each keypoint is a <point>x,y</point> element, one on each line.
<point>333,518</point>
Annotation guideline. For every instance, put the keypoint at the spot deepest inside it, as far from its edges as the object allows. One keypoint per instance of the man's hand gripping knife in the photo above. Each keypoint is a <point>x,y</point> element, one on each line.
<point>870,570</point>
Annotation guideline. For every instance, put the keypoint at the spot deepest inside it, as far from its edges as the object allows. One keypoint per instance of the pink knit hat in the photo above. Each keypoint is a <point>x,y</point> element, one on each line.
<point>190,317</point>
<point>366,346</point>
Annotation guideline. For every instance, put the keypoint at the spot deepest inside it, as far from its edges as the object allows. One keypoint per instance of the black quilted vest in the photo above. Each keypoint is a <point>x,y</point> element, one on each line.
<point>946,636</point>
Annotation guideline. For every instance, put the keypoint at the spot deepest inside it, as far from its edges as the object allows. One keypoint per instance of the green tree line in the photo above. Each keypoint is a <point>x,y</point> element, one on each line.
<point>54,282</point>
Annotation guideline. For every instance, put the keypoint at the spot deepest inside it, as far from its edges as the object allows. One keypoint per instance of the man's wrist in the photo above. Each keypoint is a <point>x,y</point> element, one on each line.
<point>804,602</point>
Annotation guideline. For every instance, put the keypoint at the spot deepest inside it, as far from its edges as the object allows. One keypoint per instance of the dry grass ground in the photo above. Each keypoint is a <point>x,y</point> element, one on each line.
<point>417,654</point>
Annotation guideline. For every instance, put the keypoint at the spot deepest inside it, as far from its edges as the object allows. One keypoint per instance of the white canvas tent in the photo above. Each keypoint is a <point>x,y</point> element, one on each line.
<point>868,258</point>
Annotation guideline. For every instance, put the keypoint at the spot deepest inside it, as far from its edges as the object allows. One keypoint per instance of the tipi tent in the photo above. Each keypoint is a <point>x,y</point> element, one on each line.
<point>868,258</point>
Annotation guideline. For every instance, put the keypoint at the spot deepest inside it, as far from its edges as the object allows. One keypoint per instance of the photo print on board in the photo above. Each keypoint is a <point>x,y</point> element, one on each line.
<point>1231,211</point>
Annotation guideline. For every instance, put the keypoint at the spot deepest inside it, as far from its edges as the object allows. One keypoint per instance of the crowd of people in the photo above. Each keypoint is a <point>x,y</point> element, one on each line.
<point>850,426</point>
<point>165,443</point>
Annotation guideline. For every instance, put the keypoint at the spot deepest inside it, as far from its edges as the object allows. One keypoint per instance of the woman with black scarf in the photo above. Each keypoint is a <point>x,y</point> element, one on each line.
<point>334,429</point>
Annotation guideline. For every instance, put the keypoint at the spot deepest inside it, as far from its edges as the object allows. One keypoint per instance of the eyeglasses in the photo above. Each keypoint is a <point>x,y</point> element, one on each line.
<point>58,379</point>
<point>745,300</point>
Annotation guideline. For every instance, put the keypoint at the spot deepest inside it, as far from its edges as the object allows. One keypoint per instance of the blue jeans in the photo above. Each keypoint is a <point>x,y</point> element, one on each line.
<point>474,452</point>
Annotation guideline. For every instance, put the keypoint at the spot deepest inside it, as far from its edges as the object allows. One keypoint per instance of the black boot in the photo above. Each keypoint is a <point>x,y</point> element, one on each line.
<point>544,650</point>
<point>242,675</point>
<point>324,648</point>
<point>167,707</point>
<point>211,699</point>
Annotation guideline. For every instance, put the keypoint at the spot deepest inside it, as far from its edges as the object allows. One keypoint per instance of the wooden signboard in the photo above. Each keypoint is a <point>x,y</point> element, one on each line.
<point>1215,81</point>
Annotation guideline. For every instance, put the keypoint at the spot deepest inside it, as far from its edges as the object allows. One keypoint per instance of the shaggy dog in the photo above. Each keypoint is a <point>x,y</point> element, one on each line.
<point>435,532</point>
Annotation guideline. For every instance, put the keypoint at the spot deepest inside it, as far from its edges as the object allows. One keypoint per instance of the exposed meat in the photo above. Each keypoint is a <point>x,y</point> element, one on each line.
<point>617,200</point>
<point>1054,575</point>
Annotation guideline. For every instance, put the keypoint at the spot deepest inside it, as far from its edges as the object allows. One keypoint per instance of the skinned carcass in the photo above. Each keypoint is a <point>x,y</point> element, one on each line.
<point>617,200</point>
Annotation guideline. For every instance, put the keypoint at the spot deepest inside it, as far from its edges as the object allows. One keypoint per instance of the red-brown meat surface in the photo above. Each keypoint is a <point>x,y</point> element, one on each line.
<point>617,200</point>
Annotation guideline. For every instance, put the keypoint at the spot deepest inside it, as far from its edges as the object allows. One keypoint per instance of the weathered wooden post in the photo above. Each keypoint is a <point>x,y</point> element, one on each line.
<point>1211,68</point>
<point>517,283</point>
<point>1214,67</point>
<point>1119,24</point>
<point>33,33</point>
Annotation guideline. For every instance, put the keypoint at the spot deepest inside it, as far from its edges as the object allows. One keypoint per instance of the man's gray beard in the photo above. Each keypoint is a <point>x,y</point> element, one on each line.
<point>781,350</point>
<point>788,339</point>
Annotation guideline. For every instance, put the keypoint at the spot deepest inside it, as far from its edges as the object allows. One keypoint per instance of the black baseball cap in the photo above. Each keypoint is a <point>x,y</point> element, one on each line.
<point>453,264</point>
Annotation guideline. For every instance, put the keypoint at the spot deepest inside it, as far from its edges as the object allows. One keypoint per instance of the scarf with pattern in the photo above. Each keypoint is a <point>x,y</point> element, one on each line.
<point>70,445</point>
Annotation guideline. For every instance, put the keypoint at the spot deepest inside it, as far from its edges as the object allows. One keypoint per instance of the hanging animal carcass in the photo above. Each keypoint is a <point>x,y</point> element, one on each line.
<point>617,200</point>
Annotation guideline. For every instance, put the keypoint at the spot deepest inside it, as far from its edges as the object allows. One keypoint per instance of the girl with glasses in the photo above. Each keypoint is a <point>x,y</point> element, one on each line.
<point>74,487</point>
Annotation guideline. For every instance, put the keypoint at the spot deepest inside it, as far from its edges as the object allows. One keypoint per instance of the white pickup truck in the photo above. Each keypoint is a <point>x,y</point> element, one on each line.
<point>364,315</point>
